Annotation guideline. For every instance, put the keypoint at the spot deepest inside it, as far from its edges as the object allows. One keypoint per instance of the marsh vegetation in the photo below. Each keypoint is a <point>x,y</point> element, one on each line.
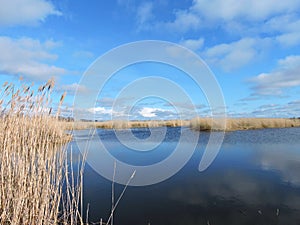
<point>231,124</point>
<point>203,124</point>
<point>37,182</point>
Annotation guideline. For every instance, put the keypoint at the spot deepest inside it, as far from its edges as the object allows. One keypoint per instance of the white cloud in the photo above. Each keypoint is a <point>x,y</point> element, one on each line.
<point>49,44</point>
<point>25,12</point>
<point>275,18</point>
<point>205,14</point>
<point>185,105</point>
<point>193,44</point>
<point>251,10</point>
<point>295,103</point>
<point>282,23</point>
<point>289,39</point>
<point>144,12</point>
<point>148,112</point>
<point>268,106</point>
<point>290,62</point>
<point>286,75</point>
<point>287,110</point>
<point>235,54</point>
<point>285,29</point>
<point>100,110</point>
<point>27,57</point>
<point>99,113</point>
<point>183,22</point>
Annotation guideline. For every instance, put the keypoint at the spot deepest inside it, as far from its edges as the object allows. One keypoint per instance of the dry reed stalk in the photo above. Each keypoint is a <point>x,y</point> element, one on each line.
<point>33,161</point>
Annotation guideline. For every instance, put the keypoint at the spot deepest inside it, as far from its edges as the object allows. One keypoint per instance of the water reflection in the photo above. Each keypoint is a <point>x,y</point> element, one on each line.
<point>281,159</point>
<point>254,180</point>
<point>239,197</point>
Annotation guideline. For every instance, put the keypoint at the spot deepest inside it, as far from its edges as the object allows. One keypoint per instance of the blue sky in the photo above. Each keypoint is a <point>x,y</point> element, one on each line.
<point>252,47</point>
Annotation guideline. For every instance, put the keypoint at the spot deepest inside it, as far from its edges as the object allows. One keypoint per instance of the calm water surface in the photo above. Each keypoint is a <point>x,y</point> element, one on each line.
<point>255,179</point>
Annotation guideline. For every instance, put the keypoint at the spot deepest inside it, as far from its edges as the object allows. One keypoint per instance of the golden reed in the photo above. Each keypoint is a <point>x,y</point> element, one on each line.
<point>36,180</point>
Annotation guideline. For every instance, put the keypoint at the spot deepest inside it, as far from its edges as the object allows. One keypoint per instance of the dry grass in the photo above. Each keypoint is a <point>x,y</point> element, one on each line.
<point>243,123</point>
<point>118,124</point>
<point>204,124</point>
<point>37,185</point>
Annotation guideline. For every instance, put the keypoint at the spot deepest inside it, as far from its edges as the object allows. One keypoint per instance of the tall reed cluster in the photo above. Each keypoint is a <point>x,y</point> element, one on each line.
<point>37,184</point>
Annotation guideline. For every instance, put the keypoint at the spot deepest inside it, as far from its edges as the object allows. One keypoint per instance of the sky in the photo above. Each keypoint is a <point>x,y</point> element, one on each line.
<point>252,47</point>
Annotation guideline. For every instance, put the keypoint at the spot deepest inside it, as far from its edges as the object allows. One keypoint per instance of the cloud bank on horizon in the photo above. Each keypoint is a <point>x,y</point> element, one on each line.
<point>252,46</point>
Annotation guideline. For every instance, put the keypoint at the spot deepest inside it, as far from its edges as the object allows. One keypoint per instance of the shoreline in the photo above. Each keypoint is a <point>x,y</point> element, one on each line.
<point>198,124</point>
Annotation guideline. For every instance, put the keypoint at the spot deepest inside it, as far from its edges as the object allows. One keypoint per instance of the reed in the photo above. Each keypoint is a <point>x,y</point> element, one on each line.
<point>206,124</point>
<point>119,124</point>
<point>35,182</point>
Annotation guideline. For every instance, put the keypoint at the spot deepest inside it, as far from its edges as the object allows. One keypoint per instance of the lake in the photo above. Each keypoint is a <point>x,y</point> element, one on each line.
<point>255,179</point>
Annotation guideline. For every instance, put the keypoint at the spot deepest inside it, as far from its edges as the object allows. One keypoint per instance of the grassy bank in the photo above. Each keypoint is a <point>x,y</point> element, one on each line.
<point>207,124</point>
<point>36,186</point>
<point>126,125</point>
<point>204,124</point>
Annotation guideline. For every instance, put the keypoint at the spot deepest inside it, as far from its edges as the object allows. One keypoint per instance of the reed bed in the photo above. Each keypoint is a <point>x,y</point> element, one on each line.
<point>207,124</point>
<point>37,183</point>
<point>204,124</point>
<point>119,124</point>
